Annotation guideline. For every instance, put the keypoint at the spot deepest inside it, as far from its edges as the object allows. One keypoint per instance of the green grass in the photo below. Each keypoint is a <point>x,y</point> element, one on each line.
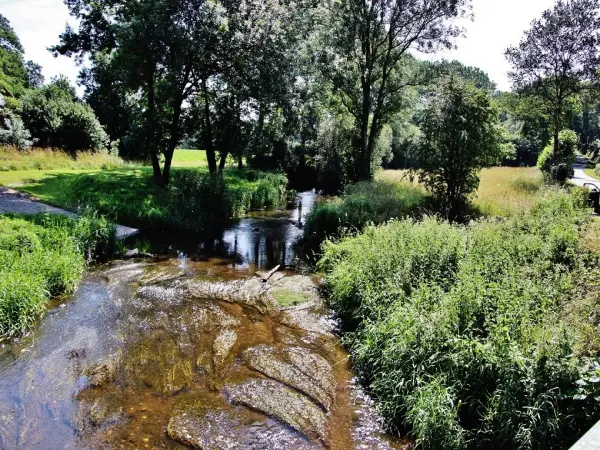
<point>189,158</point>
<point>475,336</point>
<point>287,298</point>
<point>194,200</point>
<point>592,172</point>
<point>44,256</point>
<point>38,159</point>
<point>361,204</point>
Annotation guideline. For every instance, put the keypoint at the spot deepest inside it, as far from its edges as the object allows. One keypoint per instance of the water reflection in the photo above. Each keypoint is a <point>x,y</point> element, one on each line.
<point>261,240</point>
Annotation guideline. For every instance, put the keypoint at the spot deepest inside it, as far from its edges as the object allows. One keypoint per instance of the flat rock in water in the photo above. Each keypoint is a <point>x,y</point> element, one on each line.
<point>214,429</point>
<point>287,367</point>
<point>307,320</point>
<point>280,402</point>
<point>222,347</point>
<point>252,292</point>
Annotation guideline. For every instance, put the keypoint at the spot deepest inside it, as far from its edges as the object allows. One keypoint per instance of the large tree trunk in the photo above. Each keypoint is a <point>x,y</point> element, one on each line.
<point>362,171</point>
<point>208,137</point>
<point>173,140</point>
<point>151,141</point>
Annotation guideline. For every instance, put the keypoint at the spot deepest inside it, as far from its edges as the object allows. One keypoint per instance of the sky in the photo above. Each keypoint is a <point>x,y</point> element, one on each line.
<point>497,25</point>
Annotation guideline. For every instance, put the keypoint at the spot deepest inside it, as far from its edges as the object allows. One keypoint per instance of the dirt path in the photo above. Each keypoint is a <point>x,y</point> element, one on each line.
<point>12,201</point>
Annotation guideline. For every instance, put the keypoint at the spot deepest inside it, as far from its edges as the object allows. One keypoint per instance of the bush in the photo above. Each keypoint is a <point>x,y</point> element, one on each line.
<point>460,332</point>
<point>43,256</point>
<point>362,203</point>
<point>56,119</point>
<point>559,167</point>
<point>15,133</point>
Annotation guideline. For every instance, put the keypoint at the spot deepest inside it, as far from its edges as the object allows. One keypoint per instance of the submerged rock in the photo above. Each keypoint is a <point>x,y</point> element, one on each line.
<point>199,426</point>
<point>307,320</point>
<point>158,363</point>
<point>272,363</point>
<point>101,373</point>
<point>222,347</point>
<point>252,292</point>
<point>282,403</point>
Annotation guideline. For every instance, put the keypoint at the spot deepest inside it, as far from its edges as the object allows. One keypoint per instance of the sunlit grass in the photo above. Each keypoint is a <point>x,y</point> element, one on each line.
<point>502,191</point>
<point>40,159</point>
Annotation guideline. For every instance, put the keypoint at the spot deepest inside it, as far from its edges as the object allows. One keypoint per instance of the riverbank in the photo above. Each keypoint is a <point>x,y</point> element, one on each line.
<point>44,257</point>
<point>127,193</point>
<point>475,336</point>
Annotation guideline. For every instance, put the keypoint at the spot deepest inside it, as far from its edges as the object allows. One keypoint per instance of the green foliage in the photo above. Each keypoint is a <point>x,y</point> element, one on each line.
<point>56,119</point>
<point>14,132</point>
<point>361,204</point>
<point>43,256</point>
<point>459,332</point>
<point>194,201</point>
<point>460,137</point>
<point>557,164</point>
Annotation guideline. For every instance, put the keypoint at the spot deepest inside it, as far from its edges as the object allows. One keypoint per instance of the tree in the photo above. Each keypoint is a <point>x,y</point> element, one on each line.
<point>56,118</point>
<point>460,137</point>
<point>558,57</point>
<point>365,54</point>
<point>162,48</point>
<point>16,75</point>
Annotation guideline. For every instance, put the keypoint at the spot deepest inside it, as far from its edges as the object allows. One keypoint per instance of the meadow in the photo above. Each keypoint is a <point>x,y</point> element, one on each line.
<point>502,192</point>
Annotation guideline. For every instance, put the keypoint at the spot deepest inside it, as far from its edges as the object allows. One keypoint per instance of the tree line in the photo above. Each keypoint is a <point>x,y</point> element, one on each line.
<point>325,91</point>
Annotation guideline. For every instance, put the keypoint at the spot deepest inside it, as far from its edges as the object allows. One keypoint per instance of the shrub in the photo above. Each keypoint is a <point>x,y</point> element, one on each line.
<point>459,332</point>
<point>56,119</point>
<point>559,167</point>
<point>43,256</point>
<point>15,133</point>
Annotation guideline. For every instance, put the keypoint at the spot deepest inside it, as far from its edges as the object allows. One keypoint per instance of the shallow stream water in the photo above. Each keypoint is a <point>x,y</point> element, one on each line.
<point>190,350</point>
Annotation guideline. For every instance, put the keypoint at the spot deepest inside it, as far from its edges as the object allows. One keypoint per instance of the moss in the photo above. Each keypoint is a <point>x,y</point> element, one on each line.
<point>286,297</point>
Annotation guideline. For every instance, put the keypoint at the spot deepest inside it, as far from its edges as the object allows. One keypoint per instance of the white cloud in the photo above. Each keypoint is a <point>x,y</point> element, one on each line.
<point>498,24</point>
<point>38,23</point>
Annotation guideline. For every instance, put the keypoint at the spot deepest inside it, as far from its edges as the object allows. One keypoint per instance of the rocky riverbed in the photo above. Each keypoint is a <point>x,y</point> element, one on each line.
<point>151,355</point>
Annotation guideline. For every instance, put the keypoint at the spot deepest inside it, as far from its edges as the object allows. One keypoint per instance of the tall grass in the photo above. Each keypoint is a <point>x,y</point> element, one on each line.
<point>503,191</point>
<point>12,159</point>
<point>44,256</point>
<point>461,332</point>
<point>361,204</point>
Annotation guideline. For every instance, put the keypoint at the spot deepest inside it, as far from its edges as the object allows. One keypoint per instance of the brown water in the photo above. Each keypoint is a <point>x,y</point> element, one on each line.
<point>190,351</point>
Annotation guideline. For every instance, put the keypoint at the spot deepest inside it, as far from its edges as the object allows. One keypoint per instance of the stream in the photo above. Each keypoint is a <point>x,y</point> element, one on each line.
<point>191,349</point>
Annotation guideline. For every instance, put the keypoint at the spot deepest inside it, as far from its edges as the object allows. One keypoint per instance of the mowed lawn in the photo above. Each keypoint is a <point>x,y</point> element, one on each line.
<point>18,178</point>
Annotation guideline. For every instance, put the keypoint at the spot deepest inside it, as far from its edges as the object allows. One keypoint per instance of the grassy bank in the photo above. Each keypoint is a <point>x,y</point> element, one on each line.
<point>475,336</point>
<point>127,194</point>
<point>361,204</point>
<point>44,256</point>
<point>194,200</point>
<point>503,192</point>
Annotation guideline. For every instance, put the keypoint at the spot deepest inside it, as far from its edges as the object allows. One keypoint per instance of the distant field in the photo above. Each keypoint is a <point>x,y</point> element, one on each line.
<point>502,190</point>
<point>189,158</point>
